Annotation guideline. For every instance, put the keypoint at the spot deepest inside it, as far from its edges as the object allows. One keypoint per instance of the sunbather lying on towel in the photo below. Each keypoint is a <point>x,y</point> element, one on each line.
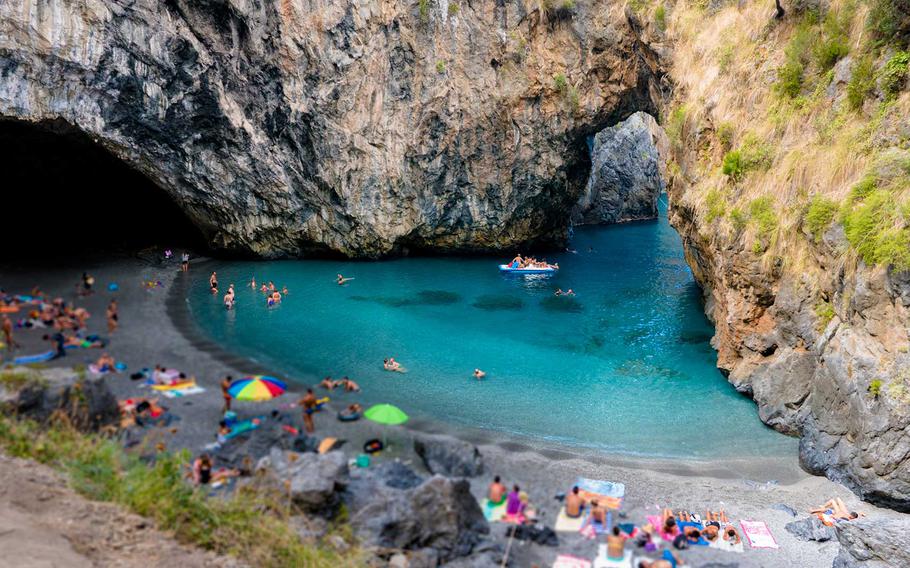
<point>731,535</point>
<point>668,527</point>
<point>204,473</point>
<point>837,510</point>
<point>669,560</point>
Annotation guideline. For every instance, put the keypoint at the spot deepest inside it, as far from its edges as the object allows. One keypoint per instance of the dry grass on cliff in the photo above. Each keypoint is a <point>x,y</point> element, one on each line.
<point>784,150</point>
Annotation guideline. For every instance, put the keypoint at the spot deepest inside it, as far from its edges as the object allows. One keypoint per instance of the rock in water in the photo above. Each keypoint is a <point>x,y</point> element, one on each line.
<point>363,128</point>
<point>811,528</point>
<point>440,514</point>
<point>873,543</point>
<point>448,456</point>
<point>627,173</point>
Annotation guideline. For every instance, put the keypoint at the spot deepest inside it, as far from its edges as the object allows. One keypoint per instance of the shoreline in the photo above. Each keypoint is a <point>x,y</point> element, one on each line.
<point>153,331</point>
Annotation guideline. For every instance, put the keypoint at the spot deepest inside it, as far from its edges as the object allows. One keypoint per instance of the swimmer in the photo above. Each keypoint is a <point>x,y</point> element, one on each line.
<point>253,282</point>
<point>284,290</point>
<point>558,292</point>
<point>213,282</point>
<point>570,292</point>
<point>391,364</point>
<point>349,385</point>
<point>271,286</point>
<point>478,374</point>
<point>342,280</point>
<point>328,383</point>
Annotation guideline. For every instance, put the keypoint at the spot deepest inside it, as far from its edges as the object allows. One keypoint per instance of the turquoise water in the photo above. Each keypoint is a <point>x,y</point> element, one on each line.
<point>625,366</point>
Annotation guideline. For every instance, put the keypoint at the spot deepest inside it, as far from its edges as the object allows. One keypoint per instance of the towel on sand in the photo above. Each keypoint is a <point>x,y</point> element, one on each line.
<point>685,524</point>
<point>608,493</point>
<point>565,523</point>
<point>493,512</point>
<point>721,544</point>
<point>569,561</point>
<point>177,393</point>
<point>758,534</point>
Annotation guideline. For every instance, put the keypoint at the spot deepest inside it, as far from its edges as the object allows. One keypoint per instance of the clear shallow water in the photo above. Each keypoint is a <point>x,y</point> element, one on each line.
<point>625,366</point>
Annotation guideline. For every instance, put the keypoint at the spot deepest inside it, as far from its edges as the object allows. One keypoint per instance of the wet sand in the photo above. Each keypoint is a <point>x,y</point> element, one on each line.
<point>156,329</point>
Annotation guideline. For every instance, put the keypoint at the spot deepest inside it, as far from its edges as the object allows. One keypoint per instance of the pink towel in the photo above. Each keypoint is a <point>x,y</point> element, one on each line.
<point>658,525</point>
<point>758,534</point>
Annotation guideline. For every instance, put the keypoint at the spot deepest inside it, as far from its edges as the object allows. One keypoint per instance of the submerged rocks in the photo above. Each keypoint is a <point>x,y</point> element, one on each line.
<point>449,456</point>
<point>873,543</point>
<point>440,515</point>
<point>87,402</point>
<point>627,173</point>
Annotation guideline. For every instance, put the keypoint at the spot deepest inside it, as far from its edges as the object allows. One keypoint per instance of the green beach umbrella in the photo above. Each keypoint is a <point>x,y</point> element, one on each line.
<point>385,414</point>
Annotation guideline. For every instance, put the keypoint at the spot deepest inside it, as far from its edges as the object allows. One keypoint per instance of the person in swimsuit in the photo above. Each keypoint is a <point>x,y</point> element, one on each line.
<point>837,509</point>
<point>213,282</point>
<point>616,545</point>
<point>598,513</point>
<point>328,383</point>
<point>253,283</point>
<point>349,385</point>
<point>342,280</point>
<point>513,502</point>
<point>730,535</point>
<point>185,261</point>
<point>225,385</point>
<point>87,282</point>
<point>478,374</point>
<point>112,317</point>
<point>574,504</point>
<point>497,491</point>
<point>308,402</point>
<point>8,333</point>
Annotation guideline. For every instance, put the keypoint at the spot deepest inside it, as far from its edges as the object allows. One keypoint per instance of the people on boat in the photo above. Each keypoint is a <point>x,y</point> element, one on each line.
<point>478,374</point>
<point>528,262</point>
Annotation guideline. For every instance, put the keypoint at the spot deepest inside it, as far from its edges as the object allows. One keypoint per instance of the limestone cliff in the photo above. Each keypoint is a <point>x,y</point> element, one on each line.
<point>360,128</point>
<point>789,190</point>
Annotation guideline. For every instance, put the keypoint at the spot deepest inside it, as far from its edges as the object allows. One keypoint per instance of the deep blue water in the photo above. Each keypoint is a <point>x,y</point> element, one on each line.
<point>625,366</point>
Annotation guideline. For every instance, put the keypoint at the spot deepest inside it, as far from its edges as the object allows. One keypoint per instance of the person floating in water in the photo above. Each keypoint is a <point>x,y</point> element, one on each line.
<point>391,364</point>
<point>213,282</point>
<point>342,280</point>
<point>253,282</point>
<point>478,374</point>
<point>328,383</point>
<point>349,385</point>
<point>558,292</point>
<point>570,292</point>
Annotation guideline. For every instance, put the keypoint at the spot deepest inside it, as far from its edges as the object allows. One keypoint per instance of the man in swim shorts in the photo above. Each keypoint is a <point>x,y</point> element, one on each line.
<point>574,504</point>
<point>308,402</point>
<point>225,385</point>
<point>497,491</point>
<point>8,333</point>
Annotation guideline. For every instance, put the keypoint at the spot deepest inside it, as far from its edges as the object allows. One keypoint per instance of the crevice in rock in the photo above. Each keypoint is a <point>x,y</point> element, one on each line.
<point>66,195</point>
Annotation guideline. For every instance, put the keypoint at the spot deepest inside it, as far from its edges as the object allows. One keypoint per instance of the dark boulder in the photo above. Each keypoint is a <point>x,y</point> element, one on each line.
<point>315,481</point>
<point>811,528</point>
<point>535,533</point>
<point>449,456</point>
<point>87,402</point>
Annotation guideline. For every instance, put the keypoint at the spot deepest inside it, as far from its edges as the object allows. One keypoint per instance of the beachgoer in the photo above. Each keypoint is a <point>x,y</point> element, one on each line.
<point>837,509</point>
<point>598,513</point>
<point>354,408</point>
<point>616,544</point>
<point>253,282</point>
<point>87,282</point>
<point>574,504</point>
<point>558,292</point>
<point>513,502</point>
<point>570,292</point>
<point>349,385</point>
<point>517,261</point>
<point>391,364</point>
<point>308,402</point>
<point>731,535</point>
<point>213,282</point>
<point>668,522</point>
<point>225,385</point>
<point>112,317</point>
<point>264,289</point>
<point>59,342</point>
<point>342,280</point>
<point>328,383</point>
<point>105,363</point>
<point>8,333</point>
<point>478,374</point>
<point>185,261</point>
<point>497,491</point>
<point>204,473</point>
<point>284,290</point>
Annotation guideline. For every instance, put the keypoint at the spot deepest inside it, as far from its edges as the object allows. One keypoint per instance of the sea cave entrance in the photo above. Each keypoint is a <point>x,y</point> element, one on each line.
<point>64,195</point>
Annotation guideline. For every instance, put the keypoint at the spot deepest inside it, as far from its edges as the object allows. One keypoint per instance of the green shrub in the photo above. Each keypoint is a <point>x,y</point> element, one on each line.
<point>676,123</point>
<point>819,216</point>
<point>761,212</point>
<point>861,84</point>
<point>756,155</point>
<point>660,17</point>
<point>717,205</point>
<point>738,218</point>
<point>894,73</point>
<point>862,189</point>
<point>559,82</point>
<point>833,43</point>
<point>825,313</point>
<point>568,4</point>
<point>440,66</point>
<point>453,9</point>
<point>875,388</point>
<point>733,165</point>
<point>889,20</point>
<point>725,136</point>
<point>423,8</point>
<point>572,97</point>
<point>791,74</point>
<point>875,230</point>
<point>725,58</point>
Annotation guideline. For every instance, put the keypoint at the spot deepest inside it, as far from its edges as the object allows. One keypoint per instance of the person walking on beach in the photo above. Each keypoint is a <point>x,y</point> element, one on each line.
<point>8,333</point>
<point>225,385</point>
<point>308,403</point>
<point>112,317</point>
<point>185,261</point>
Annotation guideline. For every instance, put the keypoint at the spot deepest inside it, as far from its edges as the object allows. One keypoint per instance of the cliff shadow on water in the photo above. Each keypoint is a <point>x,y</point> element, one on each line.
<point>64,195</point>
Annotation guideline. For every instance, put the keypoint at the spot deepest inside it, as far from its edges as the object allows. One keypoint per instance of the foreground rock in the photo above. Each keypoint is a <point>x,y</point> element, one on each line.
<point>314,481</point>
<point>811,528</point>
<point>449,456</point>
<point>627,173</point>
<point>873,543</point>
<point>364,128</point>
<point>87,402</point>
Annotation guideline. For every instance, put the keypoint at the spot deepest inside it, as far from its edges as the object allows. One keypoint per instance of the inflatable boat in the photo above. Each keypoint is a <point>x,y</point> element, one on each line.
<point>508,269</point>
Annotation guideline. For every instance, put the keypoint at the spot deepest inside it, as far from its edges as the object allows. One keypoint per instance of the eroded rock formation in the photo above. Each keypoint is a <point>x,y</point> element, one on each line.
<point>358,128</point>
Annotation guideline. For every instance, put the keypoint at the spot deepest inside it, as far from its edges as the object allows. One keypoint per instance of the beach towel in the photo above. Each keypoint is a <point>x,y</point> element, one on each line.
<point>701,540</point>
<point>658,525</point>
<point>189,383</point>
<point>569,561</point>
<point>492,512</point>
<point>721,544</point>
<point>187,391</point>
<point>607,493</point>
<point>242,428</point>
<point>565,523</point>
<point>758,534</point>
<point>38,358</point>
<point>326,445</point>
<point>604,561</point>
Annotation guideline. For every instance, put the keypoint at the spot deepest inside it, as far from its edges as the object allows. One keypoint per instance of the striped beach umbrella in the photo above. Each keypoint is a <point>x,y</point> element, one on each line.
<point>257,387</point>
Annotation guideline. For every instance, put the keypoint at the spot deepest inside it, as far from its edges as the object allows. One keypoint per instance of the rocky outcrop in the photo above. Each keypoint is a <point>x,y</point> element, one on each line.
<point>628,167</point>
<point>841,385</point>
<point>448,456</point>
<point>87,402</point>
<point>364,129</point>
<point>313,481</point>
<point>810,528</point>
<point>873,543</point>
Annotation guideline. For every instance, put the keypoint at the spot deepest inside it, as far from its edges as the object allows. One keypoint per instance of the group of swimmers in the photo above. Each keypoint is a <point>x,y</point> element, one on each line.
<point>348,384</point>
<point>531,262</point>
<point>559,292</point>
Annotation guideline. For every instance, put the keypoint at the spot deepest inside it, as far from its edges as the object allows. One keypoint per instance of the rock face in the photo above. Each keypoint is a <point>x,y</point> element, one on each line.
<point>873,543</point>
<point>315,481</point>
<point>811,528</point>
<point>87,402</point>
<point>811,377</point>
<point>627,173</point>
<point>449,457</point>
<point>360,128</point>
